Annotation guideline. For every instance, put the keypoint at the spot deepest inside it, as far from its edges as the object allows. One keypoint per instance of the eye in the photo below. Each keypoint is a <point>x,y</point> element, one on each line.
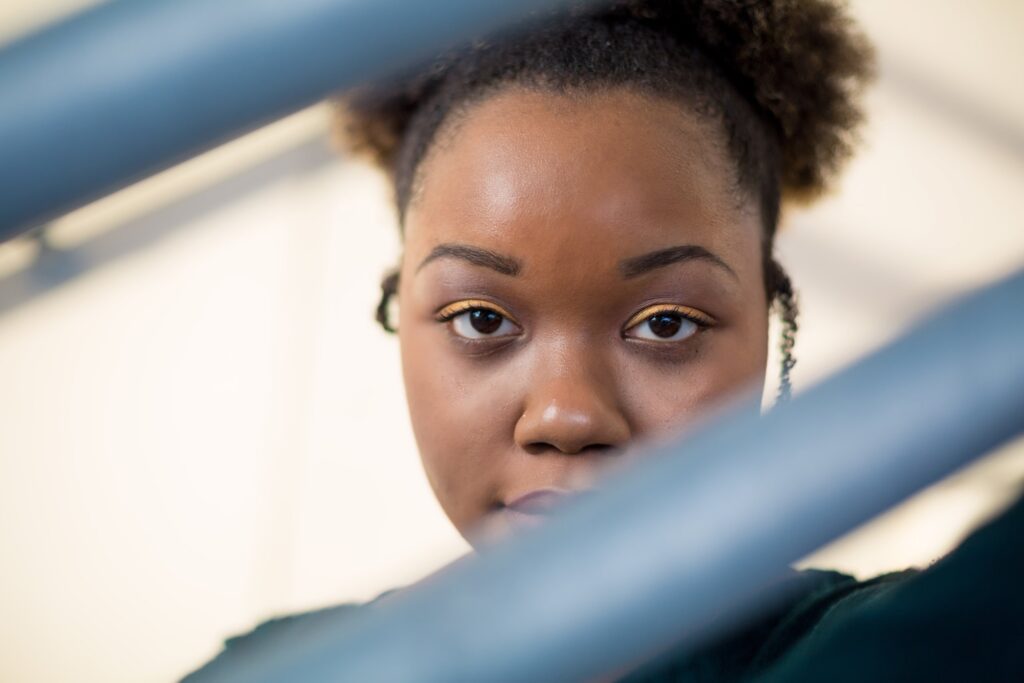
<point>474,319</point>
<point>667,323</point>
<point>478,323</point>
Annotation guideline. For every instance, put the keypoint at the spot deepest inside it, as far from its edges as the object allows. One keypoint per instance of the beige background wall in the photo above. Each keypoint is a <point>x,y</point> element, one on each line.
<point>205,428</point>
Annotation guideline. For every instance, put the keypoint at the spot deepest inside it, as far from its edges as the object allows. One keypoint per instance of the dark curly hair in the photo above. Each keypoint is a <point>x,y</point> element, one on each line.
<point>780,77</point>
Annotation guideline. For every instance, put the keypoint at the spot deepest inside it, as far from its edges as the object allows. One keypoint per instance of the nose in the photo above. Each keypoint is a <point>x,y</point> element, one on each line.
<point>574,409</point>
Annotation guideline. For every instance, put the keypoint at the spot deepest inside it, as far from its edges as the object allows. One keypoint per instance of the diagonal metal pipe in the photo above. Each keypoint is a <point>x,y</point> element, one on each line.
<point>132,87</point>
<point>693,533</point>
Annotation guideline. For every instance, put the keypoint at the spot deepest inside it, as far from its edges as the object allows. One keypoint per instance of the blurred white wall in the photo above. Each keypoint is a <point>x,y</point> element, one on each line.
<point>205,428</point>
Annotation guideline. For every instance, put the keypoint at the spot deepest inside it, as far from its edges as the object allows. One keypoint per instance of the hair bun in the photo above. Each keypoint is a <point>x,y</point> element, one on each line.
<point>803,62</point>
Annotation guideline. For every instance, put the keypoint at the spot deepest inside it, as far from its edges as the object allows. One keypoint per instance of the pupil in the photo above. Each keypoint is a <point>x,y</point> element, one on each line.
<point>484,321</point>
<point>665,325</point>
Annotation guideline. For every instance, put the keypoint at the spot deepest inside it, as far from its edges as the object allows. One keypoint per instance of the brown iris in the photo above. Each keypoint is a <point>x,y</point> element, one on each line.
<point>485,321</point>
<point>665,324</point>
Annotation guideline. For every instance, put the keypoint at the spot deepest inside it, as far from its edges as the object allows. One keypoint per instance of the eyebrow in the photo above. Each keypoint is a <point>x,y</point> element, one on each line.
<point>506,265</point>
<point>645,263</point>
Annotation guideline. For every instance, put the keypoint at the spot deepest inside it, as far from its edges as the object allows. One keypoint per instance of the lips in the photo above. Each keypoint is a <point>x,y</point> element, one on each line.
<point>531,509</point>
<point>538,502</point>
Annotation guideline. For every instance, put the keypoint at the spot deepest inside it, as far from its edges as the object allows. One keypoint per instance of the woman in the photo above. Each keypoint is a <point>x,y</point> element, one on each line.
<point>588,213</point>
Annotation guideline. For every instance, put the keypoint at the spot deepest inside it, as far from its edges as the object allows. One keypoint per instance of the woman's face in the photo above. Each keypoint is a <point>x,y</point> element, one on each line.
<point>579,272</point>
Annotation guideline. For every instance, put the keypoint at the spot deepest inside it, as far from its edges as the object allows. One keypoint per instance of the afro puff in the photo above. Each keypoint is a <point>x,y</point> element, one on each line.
<point>782,77</point>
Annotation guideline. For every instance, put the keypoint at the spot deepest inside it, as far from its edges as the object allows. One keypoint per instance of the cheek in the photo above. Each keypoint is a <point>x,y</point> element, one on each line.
<point>462,423</point>
<point>666,397</point>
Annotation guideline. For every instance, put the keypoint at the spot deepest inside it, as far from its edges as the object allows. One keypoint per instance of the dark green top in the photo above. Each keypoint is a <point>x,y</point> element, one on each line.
<point>960,620</point>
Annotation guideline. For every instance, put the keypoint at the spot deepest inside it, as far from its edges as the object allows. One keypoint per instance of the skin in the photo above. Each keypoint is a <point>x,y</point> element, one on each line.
<point>566,194</point>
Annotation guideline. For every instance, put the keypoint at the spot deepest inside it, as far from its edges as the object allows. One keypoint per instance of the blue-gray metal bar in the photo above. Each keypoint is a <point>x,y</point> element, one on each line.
<point>135,86</point>
<point>693,531</point>
<point>54,267</point>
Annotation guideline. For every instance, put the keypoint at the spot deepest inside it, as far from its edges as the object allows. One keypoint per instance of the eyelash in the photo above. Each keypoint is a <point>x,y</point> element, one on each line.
<point>451,311</point>
<point>698,318</point>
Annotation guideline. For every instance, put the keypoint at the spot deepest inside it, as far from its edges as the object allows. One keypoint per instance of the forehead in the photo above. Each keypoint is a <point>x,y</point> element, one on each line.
<point>540,175</point>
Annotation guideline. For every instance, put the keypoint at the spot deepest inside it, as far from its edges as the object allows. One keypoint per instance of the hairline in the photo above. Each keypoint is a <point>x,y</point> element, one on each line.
<point>445,132</point>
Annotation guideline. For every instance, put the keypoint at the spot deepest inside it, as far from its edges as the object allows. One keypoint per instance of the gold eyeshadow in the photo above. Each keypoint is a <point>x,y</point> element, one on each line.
<point>452,310</point>
<point>692,314</point>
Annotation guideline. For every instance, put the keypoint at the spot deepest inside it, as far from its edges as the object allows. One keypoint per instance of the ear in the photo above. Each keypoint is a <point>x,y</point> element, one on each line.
<point>388,299</point>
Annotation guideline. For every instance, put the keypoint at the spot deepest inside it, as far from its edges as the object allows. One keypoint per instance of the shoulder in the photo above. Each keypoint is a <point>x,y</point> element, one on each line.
<point>960,619</point>
<point>290,626</point>
<point>828,599</point>
<point>276,627</point>
<point>807,599</point>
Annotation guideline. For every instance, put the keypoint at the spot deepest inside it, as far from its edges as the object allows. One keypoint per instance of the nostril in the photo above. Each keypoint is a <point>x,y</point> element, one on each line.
<point>541,448</point>
<point>544,448</point>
